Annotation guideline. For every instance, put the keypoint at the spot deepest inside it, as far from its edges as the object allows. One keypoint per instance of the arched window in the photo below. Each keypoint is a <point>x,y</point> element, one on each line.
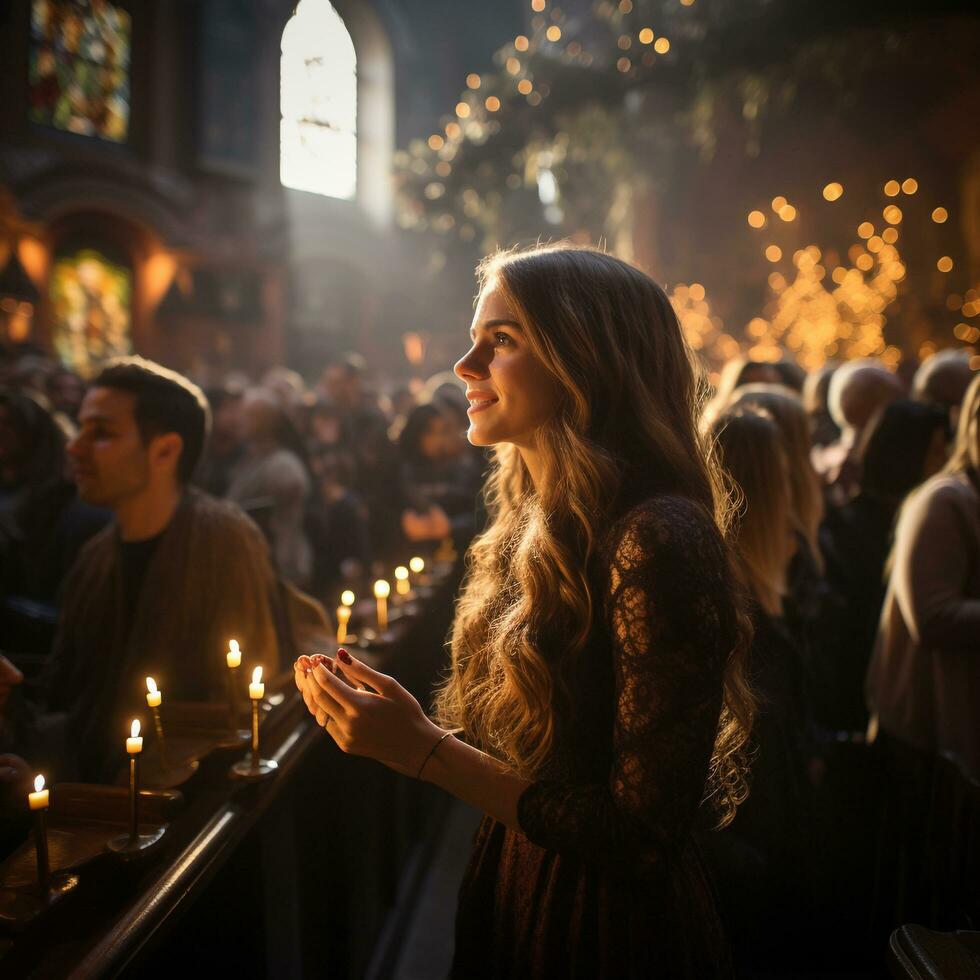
<point>318,101</point>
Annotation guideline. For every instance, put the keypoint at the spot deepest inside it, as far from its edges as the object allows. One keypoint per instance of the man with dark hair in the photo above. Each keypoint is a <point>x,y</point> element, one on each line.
<point>163,589</point>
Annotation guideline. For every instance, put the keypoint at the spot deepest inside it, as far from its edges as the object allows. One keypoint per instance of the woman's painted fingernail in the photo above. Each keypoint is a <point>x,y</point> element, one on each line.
<point>344,656</point>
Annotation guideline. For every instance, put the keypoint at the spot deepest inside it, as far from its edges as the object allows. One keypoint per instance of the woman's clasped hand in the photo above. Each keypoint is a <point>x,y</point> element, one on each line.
<point>366,712</point>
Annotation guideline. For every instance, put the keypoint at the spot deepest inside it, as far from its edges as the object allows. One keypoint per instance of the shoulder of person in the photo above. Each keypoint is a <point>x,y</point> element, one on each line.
<point>943,493</point>
<point>666,525</point>
<point>215,515</point>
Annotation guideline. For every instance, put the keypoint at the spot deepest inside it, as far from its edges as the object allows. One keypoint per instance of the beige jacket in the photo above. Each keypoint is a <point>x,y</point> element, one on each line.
<point>924,677</point>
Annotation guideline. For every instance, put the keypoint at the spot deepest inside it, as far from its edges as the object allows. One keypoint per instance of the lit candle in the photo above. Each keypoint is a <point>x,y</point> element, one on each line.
<point>153,696</point>
<point>256,690</point>
<point>347,598</point>
<point>234,655</point>
<point>134,744</point>
<point>381,592</point>
<point>417,565</point>
<point>343,618</point>
<point>401,580</point>
<point>39,798</point>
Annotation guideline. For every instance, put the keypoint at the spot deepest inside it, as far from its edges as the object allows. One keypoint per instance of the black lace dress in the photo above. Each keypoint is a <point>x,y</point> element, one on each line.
<point>605,880</point>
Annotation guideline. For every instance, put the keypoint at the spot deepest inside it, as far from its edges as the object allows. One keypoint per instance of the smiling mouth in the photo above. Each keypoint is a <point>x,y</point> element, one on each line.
<point>478,406</point>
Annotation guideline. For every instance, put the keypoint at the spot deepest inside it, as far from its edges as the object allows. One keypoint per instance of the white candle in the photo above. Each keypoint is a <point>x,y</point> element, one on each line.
<point>417,565</point>
<point>39,798</point>
<point>381,592</point>
<point>234,655</point>
<point>134,744</point>
<point>347,598</point>
<point>256,690</point>
<point>153,696</point>
<point>343,618</point>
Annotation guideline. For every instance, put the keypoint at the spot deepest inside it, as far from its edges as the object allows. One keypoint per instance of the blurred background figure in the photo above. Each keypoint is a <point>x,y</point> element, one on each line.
<point>901,448</point>
<point>272,483</point>
<point>43,525</point>
<point>439,481</point>
<point>857,391</point>
<point>226,445</point>
<point>943,380</point>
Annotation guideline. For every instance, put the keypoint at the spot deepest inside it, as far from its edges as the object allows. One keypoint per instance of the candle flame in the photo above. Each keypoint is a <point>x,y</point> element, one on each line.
<point>381,589</point>
<point>416,565</point>
<point>233,646</point>
<point>257,675</point>
<point>38,784</point>
<point>401,572</point>
<point>134,729</point>
<point>151,685</point>
<point>347,597</point>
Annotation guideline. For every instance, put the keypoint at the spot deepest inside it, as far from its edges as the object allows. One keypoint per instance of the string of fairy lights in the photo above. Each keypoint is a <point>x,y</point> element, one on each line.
<point>821,303</point>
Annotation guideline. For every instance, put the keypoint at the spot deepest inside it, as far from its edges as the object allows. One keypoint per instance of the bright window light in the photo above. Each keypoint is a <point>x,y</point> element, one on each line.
<point>318,102</point>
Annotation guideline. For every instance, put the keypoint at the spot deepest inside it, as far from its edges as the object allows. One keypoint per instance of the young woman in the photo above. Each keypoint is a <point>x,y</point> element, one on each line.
<point>761,862</point>
<point>597,678</point>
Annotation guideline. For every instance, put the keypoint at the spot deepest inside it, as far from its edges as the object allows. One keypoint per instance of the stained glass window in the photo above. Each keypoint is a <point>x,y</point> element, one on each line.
<point>79,67</point>
<point>92,299</point>
<point>318,100</point>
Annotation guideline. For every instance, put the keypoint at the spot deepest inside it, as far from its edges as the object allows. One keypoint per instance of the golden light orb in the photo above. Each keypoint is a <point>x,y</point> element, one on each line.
<point>462,109</point>
<point>890,235</point>
<point>521,43</point>
<point>833,191</point>
<point>866,229</point>
<point>524,86</point>
<point>537,5</point>
<point>553,33</point>
<point>661,45</point>
<point>453,130</point>
<point>779,202</point>
<point>944,264</point>
<point>756,219</point>
<point>646,36</point>
<point>892,187</point>
<point>892,214</point>
<point>774,253</point>
<point>696,292</point>
<point>513,65</point>
<point>436,142</point>
<point>939,215</point>
<point>473,80</point>
<point>864,262</point>
<point>910,185</point>
<point>492,103</point>
<point>787,212</point>
<point>875,243</point>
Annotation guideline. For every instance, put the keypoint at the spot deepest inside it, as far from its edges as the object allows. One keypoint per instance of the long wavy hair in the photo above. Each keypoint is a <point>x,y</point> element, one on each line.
<point>624,429</point>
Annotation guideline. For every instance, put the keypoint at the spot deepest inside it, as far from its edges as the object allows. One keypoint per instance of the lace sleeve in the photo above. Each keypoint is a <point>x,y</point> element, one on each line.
<point>669,611</point>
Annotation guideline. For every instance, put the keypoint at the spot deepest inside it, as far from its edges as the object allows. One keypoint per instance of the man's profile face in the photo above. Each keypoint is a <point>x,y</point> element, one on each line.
<point>109,462</point>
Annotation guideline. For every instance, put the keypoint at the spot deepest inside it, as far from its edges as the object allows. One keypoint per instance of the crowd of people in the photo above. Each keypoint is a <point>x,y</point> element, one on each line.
<point>143,521</point>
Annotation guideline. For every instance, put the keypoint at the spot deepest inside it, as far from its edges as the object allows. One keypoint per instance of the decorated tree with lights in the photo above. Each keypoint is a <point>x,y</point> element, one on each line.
<point>738,141</point>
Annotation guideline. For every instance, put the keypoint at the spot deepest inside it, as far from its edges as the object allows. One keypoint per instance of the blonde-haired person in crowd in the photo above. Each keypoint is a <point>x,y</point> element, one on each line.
<point>597,679</point>
<point>761,862</point>
<point>785,408</point>
<point>924,678</point>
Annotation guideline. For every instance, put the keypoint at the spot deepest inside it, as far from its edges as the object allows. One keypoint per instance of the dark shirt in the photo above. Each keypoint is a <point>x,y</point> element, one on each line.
<point>135,557</point>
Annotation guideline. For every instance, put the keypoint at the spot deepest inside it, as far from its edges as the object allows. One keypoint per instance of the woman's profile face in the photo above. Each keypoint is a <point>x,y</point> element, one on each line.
<point>510,391</point>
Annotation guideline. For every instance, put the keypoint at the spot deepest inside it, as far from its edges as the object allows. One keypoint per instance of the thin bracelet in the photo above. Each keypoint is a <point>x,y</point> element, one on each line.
<point>425,761</point>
